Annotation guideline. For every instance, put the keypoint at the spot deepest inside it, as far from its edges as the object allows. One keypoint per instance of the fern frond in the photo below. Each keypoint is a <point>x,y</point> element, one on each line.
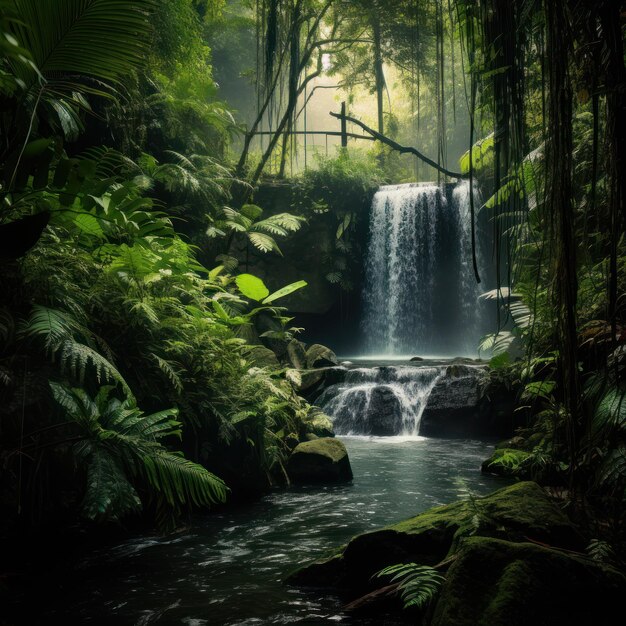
<point>182,481</point>
<point>418,584</point>
<point>108,495</point>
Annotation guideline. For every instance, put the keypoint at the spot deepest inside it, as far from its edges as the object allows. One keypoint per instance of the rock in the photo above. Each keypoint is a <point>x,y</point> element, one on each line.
<point>416,359</point>
<point>384,414</point>
<point>291,441</point>
<point>500,583</point>
<point>320,356</point>
<point>296,354</point>
<point>310,437</point>
<point>515,513</point>
<point>310,378</point>
<point>319,461</point>
<point>319,424</point>
<point>263,357</point>
<point>463,404</point>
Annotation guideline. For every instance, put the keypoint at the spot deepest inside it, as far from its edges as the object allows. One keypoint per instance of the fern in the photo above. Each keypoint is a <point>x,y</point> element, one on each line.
<point>60,333</point>
<point>120,449</point>
<point>418,584</point>
<point>108,494</point>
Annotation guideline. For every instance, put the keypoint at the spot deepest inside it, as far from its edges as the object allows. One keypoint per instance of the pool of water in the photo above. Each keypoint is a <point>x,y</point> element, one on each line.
<point>228,568</point>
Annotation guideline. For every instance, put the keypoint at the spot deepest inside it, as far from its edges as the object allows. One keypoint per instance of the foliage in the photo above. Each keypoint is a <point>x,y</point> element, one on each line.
<point>418,584</point>
<point>119,446</point>
<point>109,309</point>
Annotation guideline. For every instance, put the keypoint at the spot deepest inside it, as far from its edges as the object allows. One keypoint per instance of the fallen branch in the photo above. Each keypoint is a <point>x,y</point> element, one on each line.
<point>373,596</point>
<point>398,147</point>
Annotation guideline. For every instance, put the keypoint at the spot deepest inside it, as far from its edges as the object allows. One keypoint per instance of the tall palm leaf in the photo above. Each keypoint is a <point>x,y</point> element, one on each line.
<point>82,45</point>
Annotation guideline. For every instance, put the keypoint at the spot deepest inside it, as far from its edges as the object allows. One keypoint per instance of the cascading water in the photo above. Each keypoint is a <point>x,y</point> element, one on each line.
<point>420,293</point>
<point>381,400</point>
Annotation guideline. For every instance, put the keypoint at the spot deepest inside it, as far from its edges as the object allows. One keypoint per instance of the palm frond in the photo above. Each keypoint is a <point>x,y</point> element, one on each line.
<point>72,41</point>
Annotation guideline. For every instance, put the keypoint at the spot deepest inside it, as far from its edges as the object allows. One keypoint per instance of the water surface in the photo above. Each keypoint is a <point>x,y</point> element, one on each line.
<point>228,568</point>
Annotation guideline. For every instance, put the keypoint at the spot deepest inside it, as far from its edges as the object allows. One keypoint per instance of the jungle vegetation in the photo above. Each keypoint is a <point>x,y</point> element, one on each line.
<point>134,374</point>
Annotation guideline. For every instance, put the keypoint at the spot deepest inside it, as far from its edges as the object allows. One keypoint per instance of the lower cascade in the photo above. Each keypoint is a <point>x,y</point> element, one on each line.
<point>420,294</point>
<point>380,401</point>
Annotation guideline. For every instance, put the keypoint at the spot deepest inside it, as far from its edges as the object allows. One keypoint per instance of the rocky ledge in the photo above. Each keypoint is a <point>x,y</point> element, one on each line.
<point>510,559</point>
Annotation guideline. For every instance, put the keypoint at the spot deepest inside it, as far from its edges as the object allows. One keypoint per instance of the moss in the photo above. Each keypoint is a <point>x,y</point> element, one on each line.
<point>501,583</point>
<point>321,460</point>
<point>507,462</point>
<point>319,424</point>
<point>327,446</point>
<point>514,513</point>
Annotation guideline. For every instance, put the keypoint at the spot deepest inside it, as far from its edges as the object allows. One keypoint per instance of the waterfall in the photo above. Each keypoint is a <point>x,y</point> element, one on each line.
<point>420,294</point>
<point>380,401</point>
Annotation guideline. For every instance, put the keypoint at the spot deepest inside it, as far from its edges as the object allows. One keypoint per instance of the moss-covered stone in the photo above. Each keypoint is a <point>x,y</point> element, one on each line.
<point>514,513</point>
<point>321,460</point>
<point>319,424</point>
<point>501,583</point>
<point>320,356</point>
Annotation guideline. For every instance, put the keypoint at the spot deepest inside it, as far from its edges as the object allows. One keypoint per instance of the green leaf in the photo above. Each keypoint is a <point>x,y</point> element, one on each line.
<point>285,291</point>
<point>252,287</point>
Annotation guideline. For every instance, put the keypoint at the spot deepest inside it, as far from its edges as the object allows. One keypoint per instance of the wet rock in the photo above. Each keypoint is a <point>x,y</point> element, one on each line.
<point>416,359</point>
<point>501,583</point>
<point>384,415</point>
<point>514,513</point>
<point>319,461</point>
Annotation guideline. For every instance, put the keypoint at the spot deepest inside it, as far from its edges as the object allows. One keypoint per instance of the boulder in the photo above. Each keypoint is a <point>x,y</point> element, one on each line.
<point>320,356</point>
<point>263,357</point>
<point>500,583</point>
<point>296,354</point>
<point>384,414</point>
<point>310,378</point>
<point>514,513</point>
<point>319,461</point>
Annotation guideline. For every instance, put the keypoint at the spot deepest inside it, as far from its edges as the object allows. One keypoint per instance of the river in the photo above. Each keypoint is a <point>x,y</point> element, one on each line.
<point>227,568</point>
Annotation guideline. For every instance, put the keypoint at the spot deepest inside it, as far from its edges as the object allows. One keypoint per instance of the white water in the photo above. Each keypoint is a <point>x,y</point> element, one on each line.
<point>420,293</point>
<point>380,400</point>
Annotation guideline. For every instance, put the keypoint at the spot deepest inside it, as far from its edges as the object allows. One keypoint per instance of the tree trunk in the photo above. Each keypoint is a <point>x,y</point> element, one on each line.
<point>565,283</point>
<point>379,74</point>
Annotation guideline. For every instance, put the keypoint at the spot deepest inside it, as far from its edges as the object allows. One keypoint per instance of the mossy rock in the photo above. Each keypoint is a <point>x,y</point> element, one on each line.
<point>263,357</point>
<point>515,513</point>
<point>319,424</point>
<point>507,462</point>
<point>310,378</point>
<point>320,356</point>
<point>500,583</point>
<point>322,460</point>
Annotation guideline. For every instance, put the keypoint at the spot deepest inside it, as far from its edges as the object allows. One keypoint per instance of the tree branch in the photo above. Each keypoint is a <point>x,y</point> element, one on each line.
<point>400,148</point>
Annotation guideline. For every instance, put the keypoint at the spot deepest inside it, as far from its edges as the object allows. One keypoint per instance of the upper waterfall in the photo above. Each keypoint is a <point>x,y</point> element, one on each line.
<point>420,294</point>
